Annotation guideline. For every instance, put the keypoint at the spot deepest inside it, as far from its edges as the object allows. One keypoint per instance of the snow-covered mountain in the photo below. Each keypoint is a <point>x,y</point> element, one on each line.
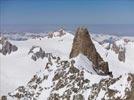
<point>54,76</point>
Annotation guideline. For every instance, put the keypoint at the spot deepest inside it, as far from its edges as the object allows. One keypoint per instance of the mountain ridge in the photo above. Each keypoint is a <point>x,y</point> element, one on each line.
<point>48,72</point>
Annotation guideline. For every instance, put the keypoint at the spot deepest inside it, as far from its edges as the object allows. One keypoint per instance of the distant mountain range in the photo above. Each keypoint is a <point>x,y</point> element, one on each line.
<point>113,29</point>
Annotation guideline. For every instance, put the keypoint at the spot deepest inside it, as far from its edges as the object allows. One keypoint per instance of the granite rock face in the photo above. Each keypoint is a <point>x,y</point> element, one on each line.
<point>82,43</point>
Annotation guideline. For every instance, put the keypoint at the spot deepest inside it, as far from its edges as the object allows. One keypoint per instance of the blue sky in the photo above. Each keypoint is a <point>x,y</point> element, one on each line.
<point>42,12</point>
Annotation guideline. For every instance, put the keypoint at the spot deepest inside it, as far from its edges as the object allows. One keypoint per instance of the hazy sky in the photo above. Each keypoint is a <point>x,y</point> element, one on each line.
<point>42,12</point>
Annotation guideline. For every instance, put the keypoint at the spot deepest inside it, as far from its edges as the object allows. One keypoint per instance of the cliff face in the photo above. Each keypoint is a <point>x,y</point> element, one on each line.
<point>82,43</point>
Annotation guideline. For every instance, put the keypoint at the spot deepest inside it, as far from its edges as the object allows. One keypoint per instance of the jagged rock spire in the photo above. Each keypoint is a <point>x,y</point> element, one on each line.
<point>82,43</point>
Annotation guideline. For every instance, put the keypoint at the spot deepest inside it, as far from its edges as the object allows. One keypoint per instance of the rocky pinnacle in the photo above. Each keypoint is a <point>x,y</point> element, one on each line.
<point>82,43</point>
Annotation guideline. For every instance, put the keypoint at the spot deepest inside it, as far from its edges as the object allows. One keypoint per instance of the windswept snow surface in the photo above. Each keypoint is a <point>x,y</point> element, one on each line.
<point>17,68</point>
<point>82,62</point>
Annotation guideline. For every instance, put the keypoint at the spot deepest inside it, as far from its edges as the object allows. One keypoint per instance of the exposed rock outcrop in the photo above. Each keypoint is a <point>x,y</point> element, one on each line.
<point>3,98</point>
<point>65,85</point>
<point>7,47</point>
<point>120,51</point>
<point>121,55</point>
<point>82,43</point>
<point>130,93</point>
<point>78,97</point>
<point>37,52</point>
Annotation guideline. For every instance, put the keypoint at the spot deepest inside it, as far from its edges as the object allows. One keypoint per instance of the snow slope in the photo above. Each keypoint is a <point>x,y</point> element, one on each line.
<point>17,68</point>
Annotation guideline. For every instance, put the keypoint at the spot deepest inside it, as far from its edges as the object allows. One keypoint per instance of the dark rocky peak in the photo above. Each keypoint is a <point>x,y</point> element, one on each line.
<point>120,50</point>
<point>6,46</point>
<point>121,55</point>
<point>82,43</point>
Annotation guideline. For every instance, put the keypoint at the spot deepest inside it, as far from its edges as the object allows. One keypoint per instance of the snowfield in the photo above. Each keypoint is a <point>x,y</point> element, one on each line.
<point>17,68</point>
